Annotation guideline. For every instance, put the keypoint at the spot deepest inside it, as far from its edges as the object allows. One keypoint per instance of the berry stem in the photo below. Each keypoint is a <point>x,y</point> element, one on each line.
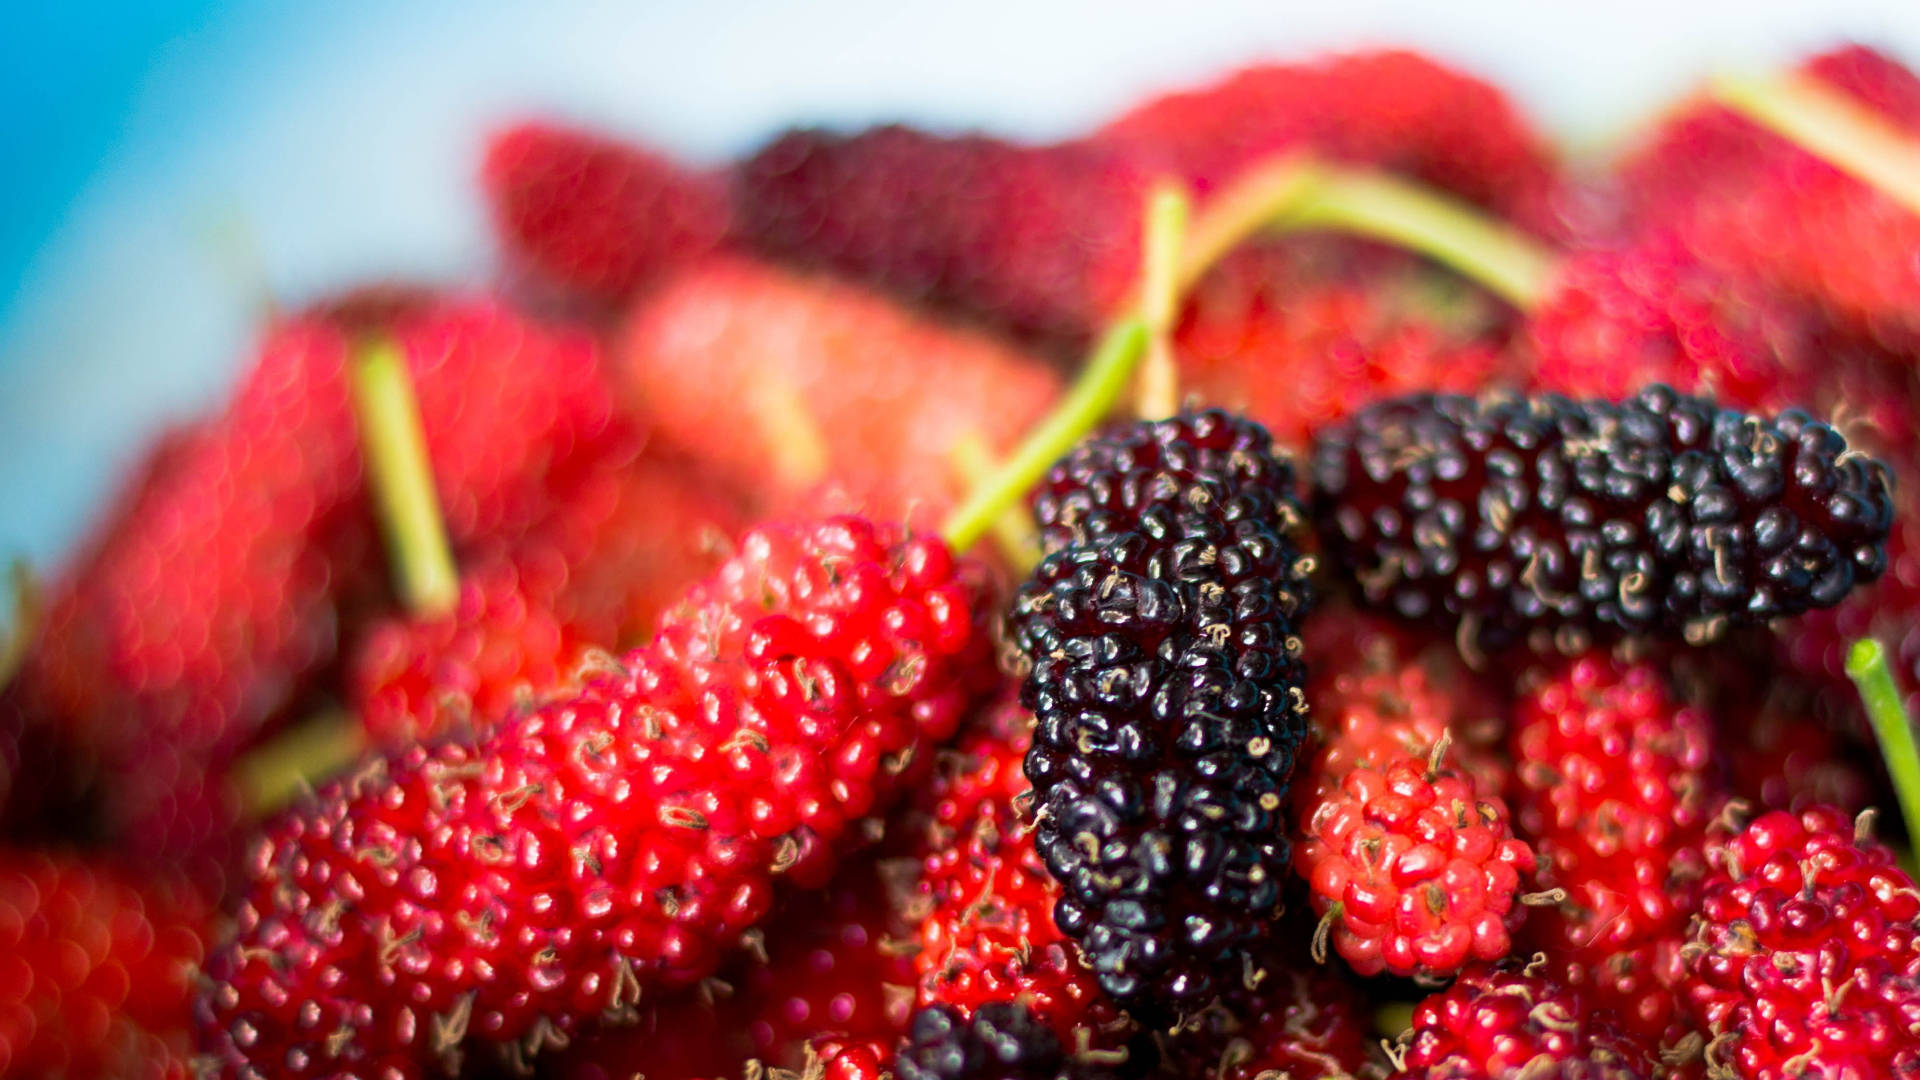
<point>299,759</point>
<point>1087,402</point>
<point>1506,261</point>
<point>1833,127</point>
<point>1892,728</point>
<point>1251,203</point>
<point>1013,531</point>
<point>1158,392</point>
<point>25,624</point>
<point>402,478</point>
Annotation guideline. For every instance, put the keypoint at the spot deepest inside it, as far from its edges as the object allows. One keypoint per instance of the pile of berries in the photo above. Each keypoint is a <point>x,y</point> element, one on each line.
<point>1420,640</point>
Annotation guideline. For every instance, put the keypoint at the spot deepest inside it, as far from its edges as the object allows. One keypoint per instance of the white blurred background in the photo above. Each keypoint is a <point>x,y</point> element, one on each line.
<point>274,149</point>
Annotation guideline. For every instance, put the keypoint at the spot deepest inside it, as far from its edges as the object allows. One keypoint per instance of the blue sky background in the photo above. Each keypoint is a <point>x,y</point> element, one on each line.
<point>167,165</point>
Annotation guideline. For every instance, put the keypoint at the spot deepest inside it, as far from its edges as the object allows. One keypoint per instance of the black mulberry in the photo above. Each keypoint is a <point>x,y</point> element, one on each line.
<point>1165,678</point>
<point>1558,523</point>
<point>1001,1041</point>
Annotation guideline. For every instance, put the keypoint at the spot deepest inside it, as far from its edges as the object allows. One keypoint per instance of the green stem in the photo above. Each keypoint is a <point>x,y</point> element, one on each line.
<point>1867,667</point>
<point>16,637</point>
<point>1498,256</point>
<point>1832,126</point>
<point>1253,202</point>
<point>1090,399</point>
<point>1166,227</point>
<point>1168,209</point>
<point>304,756</point>
<point>402,479</point>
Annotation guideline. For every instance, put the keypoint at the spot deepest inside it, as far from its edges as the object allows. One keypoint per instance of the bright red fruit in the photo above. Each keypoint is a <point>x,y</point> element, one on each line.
<point>1615,784</point>
<point>988,933</point>
<point>95,970</point>
<point>832,964</point>
<point>499,647</point>
<point>1617,320</point>
<point>1504,1021</point>
<point>1805,959</point>
<point>1406,844</point>
<point>611,843</point>
<point>594,216</point>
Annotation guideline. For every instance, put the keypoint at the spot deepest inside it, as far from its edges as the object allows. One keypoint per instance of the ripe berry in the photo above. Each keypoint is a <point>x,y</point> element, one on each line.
<point>1505,1021</point>
<point>595,216</point>
<point>988,933</point>
<point>499,647</point>
<point>1040,240</point>
<point>1805,958</point>
<point>1001,1041</point>
<point>827,964</point>
<point>1558,523</point>
<point>1615,784</point>
<point>1408,853</point>
<point>1163,670</point>
<point>610,843</point>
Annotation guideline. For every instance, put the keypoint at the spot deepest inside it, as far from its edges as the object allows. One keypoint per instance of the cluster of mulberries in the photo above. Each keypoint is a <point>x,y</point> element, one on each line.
<point>1162,659</point>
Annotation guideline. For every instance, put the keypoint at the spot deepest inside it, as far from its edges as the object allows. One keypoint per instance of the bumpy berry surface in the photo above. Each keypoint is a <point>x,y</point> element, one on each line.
<point>1001,1041</point>
<point>95,970</point>
<point>508,891</point>
<point>1576,521</point>
<point>1165,678</point>
<point>988,933</point>
<point>1502,1021</point>
<point>1298,335</point>
<point>731,357</point>
<point>595,216</point>
<point>828,964</point>
<point>1408,852</point>
<point>1805,958</point>
<point>500,646</point>
<point>1615,784</point>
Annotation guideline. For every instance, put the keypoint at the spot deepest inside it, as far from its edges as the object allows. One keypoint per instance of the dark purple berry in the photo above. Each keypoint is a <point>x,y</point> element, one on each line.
<point>1559,522</point>
<point>1165,679</point>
